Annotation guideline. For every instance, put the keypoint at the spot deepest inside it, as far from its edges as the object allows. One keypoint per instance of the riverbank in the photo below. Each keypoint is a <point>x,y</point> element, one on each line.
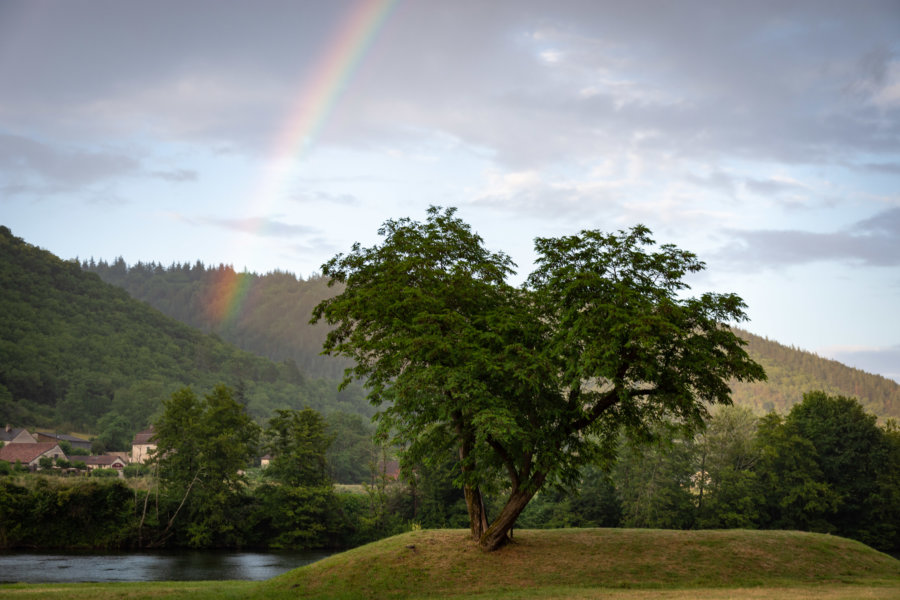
<point>573,563</point>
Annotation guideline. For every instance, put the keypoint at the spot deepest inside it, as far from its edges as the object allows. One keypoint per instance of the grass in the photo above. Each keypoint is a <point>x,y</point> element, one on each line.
<point>627,564</point>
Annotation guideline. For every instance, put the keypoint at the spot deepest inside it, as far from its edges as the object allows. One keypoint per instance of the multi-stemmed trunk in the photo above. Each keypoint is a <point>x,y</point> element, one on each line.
<point>499,532</point>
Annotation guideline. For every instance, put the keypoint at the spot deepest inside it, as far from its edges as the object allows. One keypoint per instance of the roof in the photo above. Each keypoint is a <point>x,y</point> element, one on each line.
<point>8,434</point>
<point>25,453</point>
<point>102,460</point>
<point>64,437</point>
<point>144,437</point>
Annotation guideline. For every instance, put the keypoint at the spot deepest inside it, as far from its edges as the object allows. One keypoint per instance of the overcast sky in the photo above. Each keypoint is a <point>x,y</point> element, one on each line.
<point>764,136</point>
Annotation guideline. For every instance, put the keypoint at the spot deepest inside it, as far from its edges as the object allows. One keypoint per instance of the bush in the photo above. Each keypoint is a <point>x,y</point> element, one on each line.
<point>136,470</point>
<point>105,473</point>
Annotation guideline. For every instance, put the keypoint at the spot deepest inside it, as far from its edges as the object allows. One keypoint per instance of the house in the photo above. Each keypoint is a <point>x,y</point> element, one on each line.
<point>125,456</point>
<point>264,460</point>
<point>104,461</point>
<point>75,442</point>
<point>29,454</point>
<point>142,445</point>
<point>16,435</point>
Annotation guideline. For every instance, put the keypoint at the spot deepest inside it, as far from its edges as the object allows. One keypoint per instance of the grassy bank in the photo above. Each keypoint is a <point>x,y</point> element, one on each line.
<point>573,563</point>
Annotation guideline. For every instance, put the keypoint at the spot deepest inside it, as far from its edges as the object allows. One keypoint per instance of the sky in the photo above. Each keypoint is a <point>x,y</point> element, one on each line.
<point>272,135</point>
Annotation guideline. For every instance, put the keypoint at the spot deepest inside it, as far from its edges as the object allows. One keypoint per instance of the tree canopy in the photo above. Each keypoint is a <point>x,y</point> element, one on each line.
<point>527,383</point>
<point>203,444</point>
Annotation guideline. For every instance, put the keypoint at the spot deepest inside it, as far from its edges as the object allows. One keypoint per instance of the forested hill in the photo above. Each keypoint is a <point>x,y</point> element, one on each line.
<point>269,315</point>
<point>75,350</point>
<point>792,372</point>
<point>265,314</point>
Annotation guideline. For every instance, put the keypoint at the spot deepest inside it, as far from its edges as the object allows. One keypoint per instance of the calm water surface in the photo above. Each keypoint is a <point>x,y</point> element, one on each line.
<point>156,566</point>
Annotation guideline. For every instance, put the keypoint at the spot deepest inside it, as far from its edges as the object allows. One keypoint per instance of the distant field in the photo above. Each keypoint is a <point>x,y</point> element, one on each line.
<point>626,564</point>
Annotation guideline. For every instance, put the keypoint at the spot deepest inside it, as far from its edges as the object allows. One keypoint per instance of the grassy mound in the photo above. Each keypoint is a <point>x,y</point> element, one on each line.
<point>573,562</point>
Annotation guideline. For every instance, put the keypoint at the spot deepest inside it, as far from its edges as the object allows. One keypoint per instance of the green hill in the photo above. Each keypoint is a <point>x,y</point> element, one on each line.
<point>264,314</point>
<point>793,372</point>
<point>608,564</point>
<point>588,563</point>
<point>272,320</point>
<point>74,349</point>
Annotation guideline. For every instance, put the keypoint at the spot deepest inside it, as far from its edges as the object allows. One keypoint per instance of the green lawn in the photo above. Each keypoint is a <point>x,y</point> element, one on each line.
<point>625,564</point>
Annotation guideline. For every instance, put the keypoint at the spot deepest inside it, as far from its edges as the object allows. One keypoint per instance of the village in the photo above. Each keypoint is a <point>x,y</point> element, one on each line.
<point>43,450</point>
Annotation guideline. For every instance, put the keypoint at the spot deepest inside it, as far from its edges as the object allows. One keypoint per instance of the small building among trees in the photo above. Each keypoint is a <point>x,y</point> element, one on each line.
<point>104,461</point>
<point>74,441</point>
<point>144,442</point>
<point>30,454</point>
<point>16,435</point>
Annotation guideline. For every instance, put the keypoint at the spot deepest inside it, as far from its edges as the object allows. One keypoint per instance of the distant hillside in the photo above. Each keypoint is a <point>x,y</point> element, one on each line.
<point>265,314</point>
<point>74,349</point>
<point>792,372</point>
<point>269,315</point>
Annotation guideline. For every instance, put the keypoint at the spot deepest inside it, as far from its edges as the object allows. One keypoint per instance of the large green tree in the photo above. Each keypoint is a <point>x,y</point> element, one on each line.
<point>527,383</point>
<point>298,441</point>
<point>854,457</point>
<point>203,445</point>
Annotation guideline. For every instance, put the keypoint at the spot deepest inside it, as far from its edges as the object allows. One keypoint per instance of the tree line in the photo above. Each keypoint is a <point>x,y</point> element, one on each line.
<point>826,466</point>
<point>200,490</point>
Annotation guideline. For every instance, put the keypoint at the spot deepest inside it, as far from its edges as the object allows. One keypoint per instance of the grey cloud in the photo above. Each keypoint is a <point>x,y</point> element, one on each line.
<point>561,202</point>
<point>752,80</point>
<point>326,197</point>
<point>871,360</point>
<point>717,180</point>
<point>871,242</point>
<point>890,168</point>
<point>259,226</point>
<point>769,187</point>
<point>61,166</point>
<point>177,175</point>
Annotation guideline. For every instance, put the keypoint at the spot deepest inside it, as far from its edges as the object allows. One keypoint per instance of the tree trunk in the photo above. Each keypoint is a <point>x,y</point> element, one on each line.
<point>474,499</point>
<point>499,533</point>
<point>477,513</point>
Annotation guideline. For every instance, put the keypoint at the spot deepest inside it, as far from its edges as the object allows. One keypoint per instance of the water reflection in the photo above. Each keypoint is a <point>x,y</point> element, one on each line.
<point>168,566</point>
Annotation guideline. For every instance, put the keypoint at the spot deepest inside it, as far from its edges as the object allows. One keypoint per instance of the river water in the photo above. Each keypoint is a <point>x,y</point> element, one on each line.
<point>150,566</point>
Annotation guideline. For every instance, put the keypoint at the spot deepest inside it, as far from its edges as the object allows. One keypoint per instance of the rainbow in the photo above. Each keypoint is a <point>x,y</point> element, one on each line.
<point>226,296</point>
<point>320,94</point>
<point>315,103</point>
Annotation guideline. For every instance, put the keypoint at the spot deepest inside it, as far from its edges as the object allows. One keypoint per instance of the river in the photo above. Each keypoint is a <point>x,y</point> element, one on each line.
<point>149,566</point>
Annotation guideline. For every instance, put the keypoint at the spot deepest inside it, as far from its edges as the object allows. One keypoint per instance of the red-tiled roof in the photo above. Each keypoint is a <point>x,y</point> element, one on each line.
<point>25,453</point>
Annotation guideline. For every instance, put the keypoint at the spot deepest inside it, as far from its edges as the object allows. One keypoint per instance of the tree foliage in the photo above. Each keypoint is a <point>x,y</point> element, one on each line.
<point>527,383</point>
<point>271,320</point>
<point>298,441</point>
<point>203,444</point>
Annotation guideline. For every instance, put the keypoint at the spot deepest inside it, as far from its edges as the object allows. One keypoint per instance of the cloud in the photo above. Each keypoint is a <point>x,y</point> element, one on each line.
<point>531,192</point>
<point>872,360</point>
<point>773,186</point>
<point>890,168</point>
<point>534,83</point>
<point>873,242</point>
<point>258,226</point>
<point>177,175</point>
<point>326,197</point>
<point>61,166</point>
